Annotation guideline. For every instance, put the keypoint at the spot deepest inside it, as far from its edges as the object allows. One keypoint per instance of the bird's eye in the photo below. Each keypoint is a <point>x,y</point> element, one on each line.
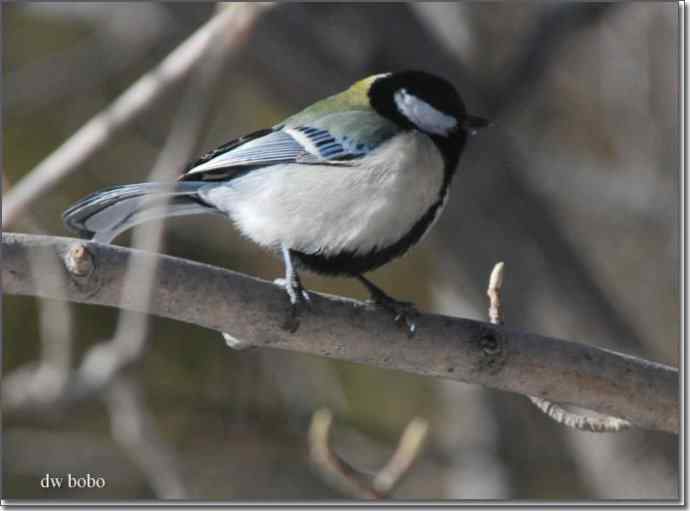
<point>424,116</point>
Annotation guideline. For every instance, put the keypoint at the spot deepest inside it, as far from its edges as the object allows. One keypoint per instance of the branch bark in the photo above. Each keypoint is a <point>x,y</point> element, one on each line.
<point>646,393</point>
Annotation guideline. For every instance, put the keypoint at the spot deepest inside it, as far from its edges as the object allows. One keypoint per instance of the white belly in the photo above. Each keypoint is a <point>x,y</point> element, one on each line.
<point>331,208</point>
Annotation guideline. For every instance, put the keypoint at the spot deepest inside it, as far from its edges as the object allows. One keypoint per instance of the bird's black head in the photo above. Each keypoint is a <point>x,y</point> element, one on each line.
<point>422,101</point>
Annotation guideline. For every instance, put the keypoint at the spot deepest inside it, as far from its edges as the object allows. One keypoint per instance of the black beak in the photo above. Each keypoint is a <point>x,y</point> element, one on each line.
<point>472,123</point>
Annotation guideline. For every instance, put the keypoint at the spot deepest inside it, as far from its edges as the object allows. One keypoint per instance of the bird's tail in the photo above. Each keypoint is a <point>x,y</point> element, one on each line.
<point>105,214</point>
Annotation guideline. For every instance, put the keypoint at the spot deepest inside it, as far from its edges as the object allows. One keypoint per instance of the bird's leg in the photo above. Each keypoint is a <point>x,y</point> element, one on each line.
<point>403,312</point>
<point>293,287</point>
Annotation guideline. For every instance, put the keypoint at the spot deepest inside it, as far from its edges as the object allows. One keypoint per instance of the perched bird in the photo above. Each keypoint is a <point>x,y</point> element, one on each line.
<point>340,188</point>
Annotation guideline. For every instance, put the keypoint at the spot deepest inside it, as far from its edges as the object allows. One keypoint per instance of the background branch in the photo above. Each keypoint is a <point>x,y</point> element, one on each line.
<point>132,424</point>
<point>133,427</point>
<point>182,143</point>
<point>355,482</point>
<point>646,393</point>
<point>95,134</point>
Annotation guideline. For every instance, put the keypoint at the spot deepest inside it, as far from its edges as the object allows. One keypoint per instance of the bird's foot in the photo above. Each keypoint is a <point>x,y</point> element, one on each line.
<point>404,313</point>
<point>299,299</point>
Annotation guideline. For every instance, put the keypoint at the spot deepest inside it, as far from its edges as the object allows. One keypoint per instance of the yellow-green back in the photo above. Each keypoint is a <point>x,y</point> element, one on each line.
<point>353,99</point>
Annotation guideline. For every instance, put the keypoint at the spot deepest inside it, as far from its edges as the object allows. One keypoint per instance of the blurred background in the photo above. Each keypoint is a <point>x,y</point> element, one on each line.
<point>576,188</point>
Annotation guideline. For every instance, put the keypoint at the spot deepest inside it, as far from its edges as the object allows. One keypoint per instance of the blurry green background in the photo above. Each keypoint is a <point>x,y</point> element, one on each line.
<point>576,188</point>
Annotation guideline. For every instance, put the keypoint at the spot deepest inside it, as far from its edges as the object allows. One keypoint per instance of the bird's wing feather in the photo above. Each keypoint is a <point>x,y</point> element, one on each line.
<point>228,146</point>
<point>337,142</point>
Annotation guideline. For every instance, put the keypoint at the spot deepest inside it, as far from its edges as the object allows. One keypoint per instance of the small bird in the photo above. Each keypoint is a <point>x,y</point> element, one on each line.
<point>340,188</point>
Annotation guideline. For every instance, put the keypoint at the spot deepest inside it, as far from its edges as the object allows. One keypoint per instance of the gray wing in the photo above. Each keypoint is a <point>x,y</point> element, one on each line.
<point>302,144</point>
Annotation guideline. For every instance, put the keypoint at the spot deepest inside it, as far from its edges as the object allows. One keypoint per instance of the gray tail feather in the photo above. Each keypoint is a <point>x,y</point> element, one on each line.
<point>105,214</point>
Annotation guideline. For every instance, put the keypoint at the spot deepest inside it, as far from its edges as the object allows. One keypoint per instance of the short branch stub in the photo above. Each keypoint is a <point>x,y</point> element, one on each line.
<point>78,260</point>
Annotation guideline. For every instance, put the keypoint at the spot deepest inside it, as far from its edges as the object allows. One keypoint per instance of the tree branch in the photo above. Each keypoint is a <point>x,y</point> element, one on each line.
<point>643,392</point>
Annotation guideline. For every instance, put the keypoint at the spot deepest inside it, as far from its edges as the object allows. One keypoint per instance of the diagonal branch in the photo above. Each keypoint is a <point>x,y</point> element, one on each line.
<point>643,392</point>
<point>233,23</point>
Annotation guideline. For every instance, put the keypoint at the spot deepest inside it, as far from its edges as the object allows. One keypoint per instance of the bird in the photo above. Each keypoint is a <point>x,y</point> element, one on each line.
<point>340,189</point>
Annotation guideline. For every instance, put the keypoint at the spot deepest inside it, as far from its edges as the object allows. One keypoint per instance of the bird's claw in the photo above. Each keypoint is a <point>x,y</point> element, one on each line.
<point>407,318</point>
<point>291,323</point>
<point>299,297</point>
<point>404,313</point>
<point>306,298</point>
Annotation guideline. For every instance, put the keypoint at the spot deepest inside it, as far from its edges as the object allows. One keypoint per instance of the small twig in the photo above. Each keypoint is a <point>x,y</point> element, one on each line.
<point>409,447</point>
<point>494,294</point>
<point>355,482</point>
<point>582,422</point>
<point>335,470</point>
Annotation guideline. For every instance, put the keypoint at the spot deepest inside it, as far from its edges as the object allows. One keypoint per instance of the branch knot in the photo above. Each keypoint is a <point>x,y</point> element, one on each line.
<point>492,356</point>
<point>489,345</point>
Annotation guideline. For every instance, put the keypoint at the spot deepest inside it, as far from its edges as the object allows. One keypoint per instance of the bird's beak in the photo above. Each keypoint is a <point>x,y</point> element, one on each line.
<point>472,123</point>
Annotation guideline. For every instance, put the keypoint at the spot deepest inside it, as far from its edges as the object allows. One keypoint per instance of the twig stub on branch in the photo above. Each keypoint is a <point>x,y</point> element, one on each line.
<point>582,422</point>
<point>78,260</point>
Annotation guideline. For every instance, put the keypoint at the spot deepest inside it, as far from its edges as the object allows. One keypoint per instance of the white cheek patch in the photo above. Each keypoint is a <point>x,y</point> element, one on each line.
<point>423,115</point>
